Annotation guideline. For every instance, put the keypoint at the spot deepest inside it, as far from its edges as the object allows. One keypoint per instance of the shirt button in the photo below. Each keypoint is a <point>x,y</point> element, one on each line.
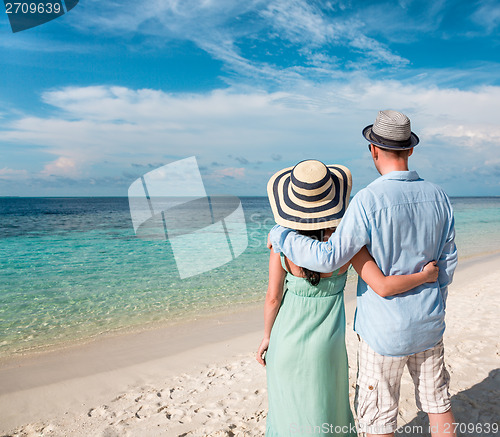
<point>370,387</point>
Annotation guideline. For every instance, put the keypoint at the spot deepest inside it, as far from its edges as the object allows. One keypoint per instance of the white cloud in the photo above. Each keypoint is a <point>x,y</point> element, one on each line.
<point>62,166</point>
<point>324,96</point>
<point>487,15</point>
<point>477,136</point>
<point>375,50</point>
<point>221,27</point>
<point>406,23</point>
<point>124,127</point>
<point>329,38</point>
<point>299,22</point>
<point>98,124</point>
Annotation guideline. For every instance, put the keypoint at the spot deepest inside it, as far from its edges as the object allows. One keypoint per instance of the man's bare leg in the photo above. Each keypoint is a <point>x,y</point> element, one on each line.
<point>442,424</point>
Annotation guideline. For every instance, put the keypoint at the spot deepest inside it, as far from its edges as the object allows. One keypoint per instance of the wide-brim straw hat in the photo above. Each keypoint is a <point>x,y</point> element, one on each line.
<point>391,131</point>
<point>310,196</point>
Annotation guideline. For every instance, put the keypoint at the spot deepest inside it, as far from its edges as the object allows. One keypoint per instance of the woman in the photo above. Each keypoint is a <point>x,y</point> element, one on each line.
<point>304,327</point>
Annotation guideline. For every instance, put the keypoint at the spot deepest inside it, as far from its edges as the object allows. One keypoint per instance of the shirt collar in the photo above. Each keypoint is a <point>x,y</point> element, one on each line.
<point>411,175</point>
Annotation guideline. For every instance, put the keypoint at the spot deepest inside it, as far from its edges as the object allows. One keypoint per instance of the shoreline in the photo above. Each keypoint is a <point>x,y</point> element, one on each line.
<point>192,317</point>
<point>78,342</point>
<point>46,386</point>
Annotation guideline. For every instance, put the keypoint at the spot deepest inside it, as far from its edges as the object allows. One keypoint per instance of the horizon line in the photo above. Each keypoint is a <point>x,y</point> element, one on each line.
<point>241,196</point>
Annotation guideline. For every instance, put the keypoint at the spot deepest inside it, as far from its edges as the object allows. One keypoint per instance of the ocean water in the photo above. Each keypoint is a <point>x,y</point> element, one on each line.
<point>72,268</point>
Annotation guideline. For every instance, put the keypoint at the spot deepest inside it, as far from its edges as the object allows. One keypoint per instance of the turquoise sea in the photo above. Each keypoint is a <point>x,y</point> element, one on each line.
<point>72,268</point>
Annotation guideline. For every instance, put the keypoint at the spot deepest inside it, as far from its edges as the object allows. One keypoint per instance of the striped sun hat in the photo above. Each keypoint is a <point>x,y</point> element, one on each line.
<point>310,196</point>
<point>391,130</point>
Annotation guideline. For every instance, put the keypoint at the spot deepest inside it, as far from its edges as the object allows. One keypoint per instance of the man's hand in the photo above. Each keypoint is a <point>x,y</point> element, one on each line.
<point>431,271</point>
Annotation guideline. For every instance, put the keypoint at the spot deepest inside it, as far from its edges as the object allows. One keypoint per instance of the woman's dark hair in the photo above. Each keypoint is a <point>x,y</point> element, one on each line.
<point>311,276</point>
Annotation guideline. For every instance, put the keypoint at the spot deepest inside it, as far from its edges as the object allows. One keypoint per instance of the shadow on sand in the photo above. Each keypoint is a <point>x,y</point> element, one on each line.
<point>476,410</point>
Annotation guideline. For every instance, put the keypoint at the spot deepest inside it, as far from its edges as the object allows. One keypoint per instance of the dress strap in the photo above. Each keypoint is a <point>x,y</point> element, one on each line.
<point>283,263</point>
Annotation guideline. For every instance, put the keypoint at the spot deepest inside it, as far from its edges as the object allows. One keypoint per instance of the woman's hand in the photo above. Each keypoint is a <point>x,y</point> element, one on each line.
<point>431,271</point>
<point>262,350</point>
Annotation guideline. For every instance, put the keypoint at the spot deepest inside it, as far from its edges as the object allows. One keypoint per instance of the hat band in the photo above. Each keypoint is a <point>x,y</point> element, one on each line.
<point>389,142</point>
<point>315,198</point>
<point>338,201</point>
<point>310,185</point>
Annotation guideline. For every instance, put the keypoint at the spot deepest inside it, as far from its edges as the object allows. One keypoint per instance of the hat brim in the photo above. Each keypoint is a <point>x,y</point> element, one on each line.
<point>320,215</point>
<point>414,140</point>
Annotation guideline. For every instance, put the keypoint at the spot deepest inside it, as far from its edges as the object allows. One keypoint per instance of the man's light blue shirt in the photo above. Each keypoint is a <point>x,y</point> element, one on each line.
<point>405,222</point>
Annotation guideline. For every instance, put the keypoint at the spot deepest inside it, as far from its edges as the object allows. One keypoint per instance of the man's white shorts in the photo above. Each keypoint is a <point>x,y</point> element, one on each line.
<point>379,381</point>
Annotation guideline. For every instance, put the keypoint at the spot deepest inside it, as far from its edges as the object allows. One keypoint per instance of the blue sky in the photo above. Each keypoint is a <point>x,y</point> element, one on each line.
<point>111,90</point>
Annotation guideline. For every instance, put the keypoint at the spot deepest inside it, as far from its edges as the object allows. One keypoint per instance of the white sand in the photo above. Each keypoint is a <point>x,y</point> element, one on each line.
<point>201,379</point>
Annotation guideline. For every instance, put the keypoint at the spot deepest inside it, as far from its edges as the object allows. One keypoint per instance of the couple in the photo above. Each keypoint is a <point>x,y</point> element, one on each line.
<point>391,233</point>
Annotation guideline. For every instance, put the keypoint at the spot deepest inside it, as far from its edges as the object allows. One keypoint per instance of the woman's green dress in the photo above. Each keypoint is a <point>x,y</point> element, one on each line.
<point>307,373</point>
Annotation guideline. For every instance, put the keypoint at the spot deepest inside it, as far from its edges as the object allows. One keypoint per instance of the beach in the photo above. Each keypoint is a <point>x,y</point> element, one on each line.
<point>148,150</point>
<point>200,378</point>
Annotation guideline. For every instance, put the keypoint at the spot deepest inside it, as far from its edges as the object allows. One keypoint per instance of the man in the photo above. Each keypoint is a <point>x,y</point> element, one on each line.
<point>405,222</point>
